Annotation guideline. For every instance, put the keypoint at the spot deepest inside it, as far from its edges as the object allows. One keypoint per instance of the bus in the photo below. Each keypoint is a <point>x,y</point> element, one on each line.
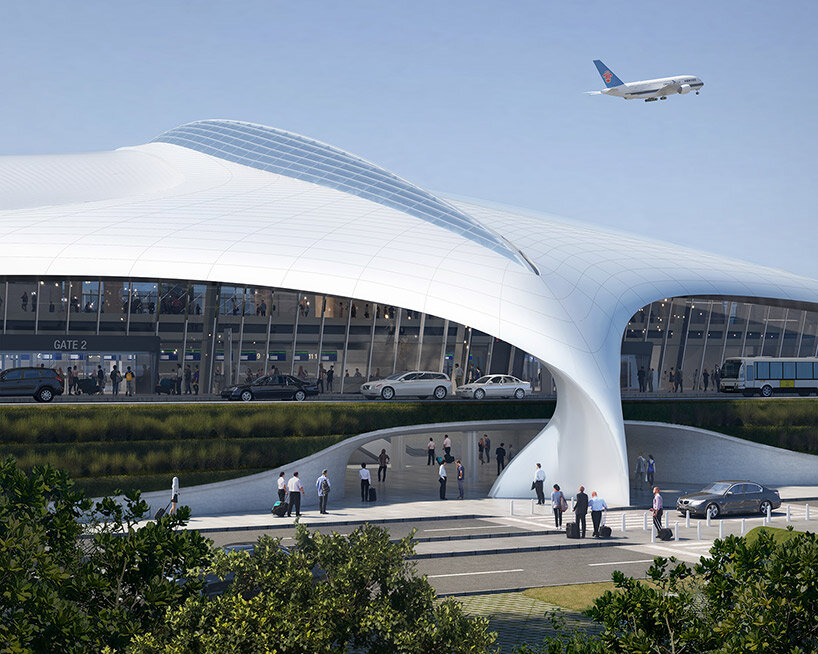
<point>767,376</point>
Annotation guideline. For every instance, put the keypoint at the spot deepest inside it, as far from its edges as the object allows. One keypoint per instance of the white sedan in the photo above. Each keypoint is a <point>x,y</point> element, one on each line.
<point>418,383</point>
<point>495,386</point>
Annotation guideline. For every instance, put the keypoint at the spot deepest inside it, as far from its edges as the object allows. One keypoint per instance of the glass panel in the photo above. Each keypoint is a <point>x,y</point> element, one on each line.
<point>803,370</point>
<point>788,370</point>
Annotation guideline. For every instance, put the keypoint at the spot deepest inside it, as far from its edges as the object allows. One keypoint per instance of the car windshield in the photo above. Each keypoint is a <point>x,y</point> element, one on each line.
<point>718,488</point>
<point>397,376</point>
<point>730,369</point>
<point>482,380</point>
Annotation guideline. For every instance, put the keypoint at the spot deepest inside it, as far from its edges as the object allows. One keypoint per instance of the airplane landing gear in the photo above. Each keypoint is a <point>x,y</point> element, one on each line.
<point>651,99</point>
<point>697,93</point>
<point>664,97</point>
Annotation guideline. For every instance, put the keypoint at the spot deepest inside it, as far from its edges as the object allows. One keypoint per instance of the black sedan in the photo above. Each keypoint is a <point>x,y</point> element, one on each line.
<point>736,496</point>
<point>272,387</point>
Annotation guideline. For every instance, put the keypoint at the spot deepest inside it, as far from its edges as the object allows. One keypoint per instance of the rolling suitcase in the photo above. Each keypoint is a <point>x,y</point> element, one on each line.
<point>160,512</point>
<point>664,534</point>
<point>279,509</point>
<point>572,530</point>
<point>373,494</point>
<point>448,458</point>
<point>604,531</point>
<point>439,459</point>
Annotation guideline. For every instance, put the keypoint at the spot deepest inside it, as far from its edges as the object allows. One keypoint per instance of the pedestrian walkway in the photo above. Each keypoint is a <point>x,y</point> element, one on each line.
<point>518,619</point>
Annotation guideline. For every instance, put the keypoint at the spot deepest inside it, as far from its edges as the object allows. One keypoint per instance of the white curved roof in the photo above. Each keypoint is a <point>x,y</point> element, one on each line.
<point>230,202</point>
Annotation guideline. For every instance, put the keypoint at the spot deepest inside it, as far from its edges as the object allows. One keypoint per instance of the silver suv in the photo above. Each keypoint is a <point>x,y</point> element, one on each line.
<point>417,383</point>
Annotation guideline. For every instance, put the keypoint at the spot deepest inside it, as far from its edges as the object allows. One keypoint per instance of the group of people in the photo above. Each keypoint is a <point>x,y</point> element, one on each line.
<point>581,503</point>
<point>644,470</point>
<point>72,376</point>
<point>187,375</point>
<point>292,490</point>
<point>675,379</point>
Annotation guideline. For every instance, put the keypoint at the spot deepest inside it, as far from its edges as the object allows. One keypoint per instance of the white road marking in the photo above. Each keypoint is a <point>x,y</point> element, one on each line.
<point>467,574</point>
<point>468,528</point>
<point>529,522</point>
<point>621,562</point>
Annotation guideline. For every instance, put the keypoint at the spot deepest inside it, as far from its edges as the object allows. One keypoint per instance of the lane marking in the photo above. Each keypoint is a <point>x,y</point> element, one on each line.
<point>468,574</point>
<point>468,528</point>
<point>621,562</point>
<point>529,522</point>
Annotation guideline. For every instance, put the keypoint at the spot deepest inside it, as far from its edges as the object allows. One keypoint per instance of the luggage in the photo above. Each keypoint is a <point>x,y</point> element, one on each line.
<point>604,531</point>
<point>448,458</point>
<point>279,509</point>
<point>665,534</point>
<point>572,530</point>
<point>439,460</point>
<point>160,512</point>
<point>373,494</point>
<point>87,386</point>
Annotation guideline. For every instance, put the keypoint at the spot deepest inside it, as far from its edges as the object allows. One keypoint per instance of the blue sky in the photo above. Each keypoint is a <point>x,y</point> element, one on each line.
<point>480,99</point>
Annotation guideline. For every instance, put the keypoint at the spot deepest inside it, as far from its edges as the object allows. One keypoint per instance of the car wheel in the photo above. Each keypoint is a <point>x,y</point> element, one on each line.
<point>712,510</point>
<point>764,506</point>
<point>767,390</point>
<point>44,395</point>
<point>519,394</point>
<point>246,396</point>
<point>440,393</point>
<point>388,393</point>
<point>479,394</point>
<point>299,396</point>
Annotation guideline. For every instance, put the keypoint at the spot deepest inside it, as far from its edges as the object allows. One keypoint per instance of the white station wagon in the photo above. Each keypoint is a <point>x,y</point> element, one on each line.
<point>490,386</point>
<point>418,383</point>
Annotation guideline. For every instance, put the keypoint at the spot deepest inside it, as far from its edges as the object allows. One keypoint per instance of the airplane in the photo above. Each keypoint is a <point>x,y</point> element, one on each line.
<point>650,90</point>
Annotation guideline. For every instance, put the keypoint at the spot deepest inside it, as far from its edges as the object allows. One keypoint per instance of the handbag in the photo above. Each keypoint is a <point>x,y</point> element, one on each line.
<point>563,503</point>
<point>533,485</point>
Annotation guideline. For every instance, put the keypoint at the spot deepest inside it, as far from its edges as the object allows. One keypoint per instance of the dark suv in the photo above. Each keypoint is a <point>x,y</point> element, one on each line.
<point>41,383</point>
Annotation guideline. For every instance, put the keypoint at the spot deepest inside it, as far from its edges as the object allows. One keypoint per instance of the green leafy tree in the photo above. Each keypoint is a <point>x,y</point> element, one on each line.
<point>331,593</point>
<point>759,596</point>
<point>77,576</point>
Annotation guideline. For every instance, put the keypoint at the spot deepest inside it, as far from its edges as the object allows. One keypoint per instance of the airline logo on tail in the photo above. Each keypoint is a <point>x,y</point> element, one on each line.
<point>607,75</point>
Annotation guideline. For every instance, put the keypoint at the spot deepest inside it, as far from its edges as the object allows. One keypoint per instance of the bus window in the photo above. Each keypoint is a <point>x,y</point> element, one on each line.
<point>731,368</point>
<point>775,370</point>
<point>803,370</point>
<point>763,370</point>
<point>749,370</point>
<point>789,370</point>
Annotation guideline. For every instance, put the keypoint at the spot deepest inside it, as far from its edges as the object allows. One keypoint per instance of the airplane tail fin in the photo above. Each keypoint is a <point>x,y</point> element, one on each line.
<point>608,77</point>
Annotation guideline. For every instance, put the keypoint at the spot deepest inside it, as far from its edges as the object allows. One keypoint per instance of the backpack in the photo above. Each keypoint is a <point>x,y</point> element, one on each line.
<point>563,503</point>
<point>324,486</point>
<point>128,376</point>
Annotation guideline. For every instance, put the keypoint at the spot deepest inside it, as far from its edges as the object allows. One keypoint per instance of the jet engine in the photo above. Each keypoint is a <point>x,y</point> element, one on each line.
<point>685,88</point>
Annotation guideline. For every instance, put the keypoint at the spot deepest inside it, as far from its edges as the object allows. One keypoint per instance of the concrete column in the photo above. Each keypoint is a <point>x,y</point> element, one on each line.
<point>470,455</point>
<point>398,455</point>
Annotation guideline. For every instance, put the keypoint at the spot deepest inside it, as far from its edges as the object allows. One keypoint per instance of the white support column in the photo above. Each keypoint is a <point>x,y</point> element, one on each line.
<point>443,346</point>
<point>397,341</point>
<point>371,342</point>
<point>420,339</point>
<point>321,340</point>
<point>346,345</point>
<point>295,330</point>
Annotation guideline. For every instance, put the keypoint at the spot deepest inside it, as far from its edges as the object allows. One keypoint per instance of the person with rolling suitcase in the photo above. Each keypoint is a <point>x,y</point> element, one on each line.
<point>282,488</point>
<point>580,511</point>
<point>442,478</point>
<point>366,480</point>
<point>658,511</point>
<point>598,505</point>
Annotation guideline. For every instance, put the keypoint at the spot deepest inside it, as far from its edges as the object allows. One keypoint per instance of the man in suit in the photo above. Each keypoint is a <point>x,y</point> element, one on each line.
<point>539,481</point>
<point>580,510</point>
<point>500,455</point>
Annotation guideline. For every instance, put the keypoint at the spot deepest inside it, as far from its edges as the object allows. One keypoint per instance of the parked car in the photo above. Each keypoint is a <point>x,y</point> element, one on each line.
<point>272,387</point>
<point>490,386</point>
<point>417,383</point>
<point>40,383</point>
<point>733,496</point>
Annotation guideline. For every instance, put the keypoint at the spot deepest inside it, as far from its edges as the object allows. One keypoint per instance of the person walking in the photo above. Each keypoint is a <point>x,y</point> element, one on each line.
<point>366,480</point>
<point>282,488</point>
<point>480,445</point>
<point>510,454</point>
<point>580,510</point>
<point>447,445</point>
<point>330,377</point>
<point>76,380</point>
<point>174,495</point>
<point>322,485</point>
<point>441,473</point>
<point>679,387</point>
<point>705,379</point>
<point>100,379</point>
<point>657,508</point>
<point>641,377</point>
<point>651,381</point>
<point>322,374</point>
<point>487,445</point>
<point>598,505</point>
<point>500,455</point>
<point>70,380</point>
<point>188,380</point>
<point>196,381</point>
<point>430,452</point>
<point>539,482</point>
<point>296,489</point>
<point>129,382</point>
<point>558,504</point>
<point>650,470</point>
<point>640,471</point>
<point>178,379</point>
<point>461,477</point>
<point>116,378</point>
<point>383,461</point>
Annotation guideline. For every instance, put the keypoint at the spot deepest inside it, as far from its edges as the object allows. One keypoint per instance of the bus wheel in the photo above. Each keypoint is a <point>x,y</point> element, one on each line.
<point>767,390</point>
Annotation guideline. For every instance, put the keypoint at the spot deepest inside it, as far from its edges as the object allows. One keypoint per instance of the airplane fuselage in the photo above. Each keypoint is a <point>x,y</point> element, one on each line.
<point>652,89</point>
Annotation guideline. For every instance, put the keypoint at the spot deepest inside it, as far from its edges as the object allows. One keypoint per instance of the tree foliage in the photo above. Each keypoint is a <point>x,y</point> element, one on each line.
<point>77,576</point>
<point>759,596</point>
<point>331,593</point>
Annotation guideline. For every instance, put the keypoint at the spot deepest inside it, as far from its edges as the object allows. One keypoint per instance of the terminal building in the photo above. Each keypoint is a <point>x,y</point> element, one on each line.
<point>240,249</point>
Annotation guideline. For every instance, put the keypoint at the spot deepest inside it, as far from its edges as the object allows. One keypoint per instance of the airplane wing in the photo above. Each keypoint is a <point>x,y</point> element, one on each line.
<point>672,87</point>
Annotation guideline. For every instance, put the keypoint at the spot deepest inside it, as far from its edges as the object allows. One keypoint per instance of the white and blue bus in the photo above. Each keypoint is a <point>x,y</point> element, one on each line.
<point>767,376</point>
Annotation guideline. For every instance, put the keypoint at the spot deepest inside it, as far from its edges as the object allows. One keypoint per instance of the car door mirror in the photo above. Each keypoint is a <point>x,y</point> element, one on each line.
<point>729,492</point>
